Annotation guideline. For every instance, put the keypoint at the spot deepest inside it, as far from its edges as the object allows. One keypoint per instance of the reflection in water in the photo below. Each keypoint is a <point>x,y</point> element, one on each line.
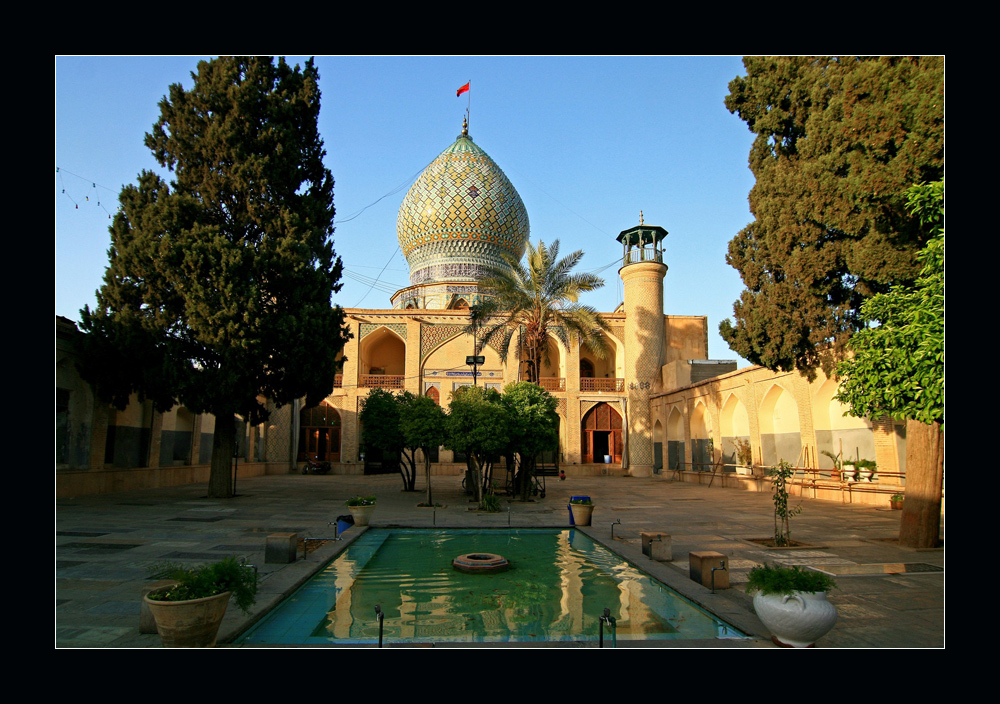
<point>558,586</point>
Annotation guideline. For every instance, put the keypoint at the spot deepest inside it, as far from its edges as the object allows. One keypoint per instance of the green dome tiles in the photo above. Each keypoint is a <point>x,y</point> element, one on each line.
<point>459,216</point>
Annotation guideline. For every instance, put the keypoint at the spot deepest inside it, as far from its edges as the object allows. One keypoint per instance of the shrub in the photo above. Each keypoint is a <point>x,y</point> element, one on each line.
<point>361,501</point>
<point>772,579</point>
<point>227,575</point>
<point>744,453</point>
<point>490,503</point>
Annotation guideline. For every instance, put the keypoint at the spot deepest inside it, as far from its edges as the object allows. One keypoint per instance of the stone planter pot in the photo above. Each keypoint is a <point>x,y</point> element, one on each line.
<point>189,624</point>
<point>362,514</point>
<point>743,470</point>
<point>796,620</point>
<point>582,513</point>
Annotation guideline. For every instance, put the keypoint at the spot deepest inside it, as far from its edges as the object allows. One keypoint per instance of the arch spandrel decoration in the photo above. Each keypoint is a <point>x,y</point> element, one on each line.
<point>433,336</point>
<point>366,329</point>
<point>585,406</point>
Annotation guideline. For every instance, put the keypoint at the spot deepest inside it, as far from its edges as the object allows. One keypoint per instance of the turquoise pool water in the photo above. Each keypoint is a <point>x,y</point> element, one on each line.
<point>558,586</point>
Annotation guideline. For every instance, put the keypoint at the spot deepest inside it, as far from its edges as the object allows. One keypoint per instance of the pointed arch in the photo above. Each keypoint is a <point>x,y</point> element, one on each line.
<point>734,425</point>
<point>676,460</point>
<point>319,433</point>
<point>780,438</point>
<point>383,359</point>
<point>601,434</point>
<point>702,451</point>
<point>838,432</point>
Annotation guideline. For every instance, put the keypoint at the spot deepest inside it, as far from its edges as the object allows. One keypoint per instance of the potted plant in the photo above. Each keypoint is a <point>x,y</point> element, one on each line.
<point>837,464</point>
<point>361,508</point>
<point>849,471</point>
<point>581,508</point>
<point>896,502</point>
<point>866,470</point>
<point>189,612</point>
<point>791,602</point>
<point>744,457</point>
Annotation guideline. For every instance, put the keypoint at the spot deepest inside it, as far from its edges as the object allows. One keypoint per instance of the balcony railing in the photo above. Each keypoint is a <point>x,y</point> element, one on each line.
<point>552,383</point>
<point>596,384</point>
<point>643,254</point>
<point>382,381</point>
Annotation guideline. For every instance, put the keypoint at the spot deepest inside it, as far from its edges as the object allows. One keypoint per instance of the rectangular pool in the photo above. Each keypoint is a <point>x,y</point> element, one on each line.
<point>558,585</point>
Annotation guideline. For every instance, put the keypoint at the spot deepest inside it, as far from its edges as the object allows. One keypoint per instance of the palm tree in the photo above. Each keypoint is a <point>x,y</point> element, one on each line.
<point>535,298</point>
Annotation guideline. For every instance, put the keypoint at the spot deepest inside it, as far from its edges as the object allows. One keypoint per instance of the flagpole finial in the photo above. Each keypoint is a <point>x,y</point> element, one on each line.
<point>465,126</point>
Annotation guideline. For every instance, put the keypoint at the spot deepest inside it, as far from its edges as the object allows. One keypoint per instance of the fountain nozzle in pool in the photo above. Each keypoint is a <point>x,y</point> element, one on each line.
<point>480,562</point>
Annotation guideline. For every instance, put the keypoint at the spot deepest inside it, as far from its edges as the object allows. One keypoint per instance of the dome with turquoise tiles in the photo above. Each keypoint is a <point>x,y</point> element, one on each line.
<point>459,216</point>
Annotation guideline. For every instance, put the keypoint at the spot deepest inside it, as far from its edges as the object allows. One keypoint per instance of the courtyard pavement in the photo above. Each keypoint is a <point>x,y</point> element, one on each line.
<point>106,543</point>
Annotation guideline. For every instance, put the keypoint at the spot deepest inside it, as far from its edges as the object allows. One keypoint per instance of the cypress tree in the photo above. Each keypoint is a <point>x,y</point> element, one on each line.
<point>218,290</point>
<point>839,140</point>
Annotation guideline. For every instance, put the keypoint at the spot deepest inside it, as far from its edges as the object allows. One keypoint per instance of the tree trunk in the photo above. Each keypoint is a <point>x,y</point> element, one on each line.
<point>408,469</point>
<point>477,476</point>
<point>220,481</point>
<point>427,474</point>
<point>920,524</point>
<point>526,469</point>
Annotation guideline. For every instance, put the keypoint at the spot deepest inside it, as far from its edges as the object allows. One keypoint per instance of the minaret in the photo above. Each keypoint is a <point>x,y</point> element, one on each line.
<point>642,274</point>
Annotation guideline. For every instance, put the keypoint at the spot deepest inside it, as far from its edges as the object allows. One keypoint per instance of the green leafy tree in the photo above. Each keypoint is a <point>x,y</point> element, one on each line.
<point>219,283</point>
<point>380,416</point>
<point>838,142</point>
<point>533,428</point>
<point>478,426</point>
<point>536,298</point>
<point>897,370</point>
<point>423,425</point>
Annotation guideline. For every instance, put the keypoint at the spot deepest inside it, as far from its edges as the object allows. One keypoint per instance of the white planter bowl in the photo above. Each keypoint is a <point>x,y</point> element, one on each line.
<point>797,620</point>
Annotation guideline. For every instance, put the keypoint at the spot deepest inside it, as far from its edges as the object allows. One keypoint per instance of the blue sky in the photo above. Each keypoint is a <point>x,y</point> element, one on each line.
<point>587,141</point>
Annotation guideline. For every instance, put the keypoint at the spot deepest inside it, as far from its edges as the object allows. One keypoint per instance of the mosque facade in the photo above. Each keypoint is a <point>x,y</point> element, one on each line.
<point>654,406</point>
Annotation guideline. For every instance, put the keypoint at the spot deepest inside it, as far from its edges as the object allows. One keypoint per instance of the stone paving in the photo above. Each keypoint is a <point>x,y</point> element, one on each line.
<point>105,545</point>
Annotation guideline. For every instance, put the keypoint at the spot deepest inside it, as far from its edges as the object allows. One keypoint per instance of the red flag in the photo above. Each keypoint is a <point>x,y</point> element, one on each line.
<point>463,89</point>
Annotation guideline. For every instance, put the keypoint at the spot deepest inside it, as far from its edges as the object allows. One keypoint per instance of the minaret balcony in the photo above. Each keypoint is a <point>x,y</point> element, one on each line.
<point>643,254</point>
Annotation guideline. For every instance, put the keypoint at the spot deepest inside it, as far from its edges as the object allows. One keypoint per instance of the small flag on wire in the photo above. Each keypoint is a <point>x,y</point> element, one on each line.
<point>463,89</point>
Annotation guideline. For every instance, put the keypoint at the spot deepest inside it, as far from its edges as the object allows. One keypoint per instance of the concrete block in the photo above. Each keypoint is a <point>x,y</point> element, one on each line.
<point>147,624</point>
<point>657,546</point>
<point>281,548</point>
<point>700,566</point>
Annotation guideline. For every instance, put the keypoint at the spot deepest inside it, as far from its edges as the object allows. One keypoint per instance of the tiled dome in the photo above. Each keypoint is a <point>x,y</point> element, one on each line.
<point>459,215</point>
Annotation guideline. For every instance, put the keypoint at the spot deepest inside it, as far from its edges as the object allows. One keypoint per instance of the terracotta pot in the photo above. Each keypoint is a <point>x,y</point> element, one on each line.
<point>796,620</point>
<point>896,505</point>
<point>362,514</point>
<point>582,513</point>
<point>189,624</point>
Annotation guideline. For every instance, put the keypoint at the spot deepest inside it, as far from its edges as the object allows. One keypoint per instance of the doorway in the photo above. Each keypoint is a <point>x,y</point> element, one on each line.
<point>601,435</point>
